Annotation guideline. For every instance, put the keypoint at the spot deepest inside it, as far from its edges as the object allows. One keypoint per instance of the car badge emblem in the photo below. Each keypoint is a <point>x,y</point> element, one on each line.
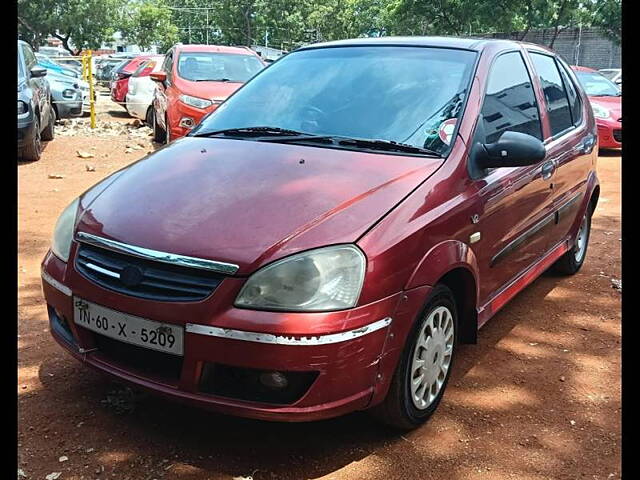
<point>131,276</point>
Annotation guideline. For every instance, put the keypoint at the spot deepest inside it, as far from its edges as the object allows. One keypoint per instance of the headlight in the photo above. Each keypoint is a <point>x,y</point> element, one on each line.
<point>63,231</point>
<point>22,107</point>
<point>599,112</point>
<point>69,93</point>
<point>195,101</point>
<point>319,280</point>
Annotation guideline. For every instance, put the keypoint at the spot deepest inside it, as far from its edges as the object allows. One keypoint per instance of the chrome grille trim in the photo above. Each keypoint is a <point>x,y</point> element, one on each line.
<point>296,340</point>
<point>164,257</point>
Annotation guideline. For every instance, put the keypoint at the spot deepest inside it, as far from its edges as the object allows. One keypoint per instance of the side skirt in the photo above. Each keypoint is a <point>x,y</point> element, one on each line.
<point>500,300</point>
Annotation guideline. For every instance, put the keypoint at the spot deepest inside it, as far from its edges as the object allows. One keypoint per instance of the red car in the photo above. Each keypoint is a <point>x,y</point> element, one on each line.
<point>324,241</point>
<point>120,83</point>
<point>606,101</point>
<point>194,81</point>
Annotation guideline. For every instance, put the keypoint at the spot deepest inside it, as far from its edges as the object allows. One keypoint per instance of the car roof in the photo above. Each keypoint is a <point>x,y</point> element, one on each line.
<point>465,43</point>
<point>214,49</point>
<point>578,68</point>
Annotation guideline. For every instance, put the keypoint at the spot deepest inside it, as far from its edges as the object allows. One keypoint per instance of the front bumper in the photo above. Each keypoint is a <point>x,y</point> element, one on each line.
<point>184,111</point>
<point>609,133</point>
<point>344,350</point>
<point>137,105</point>
<point>25,128</point>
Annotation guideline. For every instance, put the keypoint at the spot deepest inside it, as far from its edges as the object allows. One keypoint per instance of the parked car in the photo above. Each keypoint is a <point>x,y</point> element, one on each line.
<point>613,74</point>
<point>120,82</point>
<point>141,90</point>
<point>51,66</point>
<point>606,101</point>
<point>104,67</point>
<point>36,116</point>
<point>323,241</point>
<point>66,95</point>
<point>194,81</point>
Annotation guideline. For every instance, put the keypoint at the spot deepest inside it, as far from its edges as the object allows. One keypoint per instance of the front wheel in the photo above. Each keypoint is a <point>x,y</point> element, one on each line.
<point>423,371</point>
<point>49,132</point>
<point>159,134</point>
<point>570,262</point>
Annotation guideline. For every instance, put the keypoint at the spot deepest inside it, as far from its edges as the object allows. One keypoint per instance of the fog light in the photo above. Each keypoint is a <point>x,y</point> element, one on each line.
<point>275,380</point>
<point>187,122</point>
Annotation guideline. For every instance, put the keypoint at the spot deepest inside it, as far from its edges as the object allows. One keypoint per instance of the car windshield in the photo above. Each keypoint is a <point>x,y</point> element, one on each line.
<point>610,74</point>
<point>409,95</point>
<point>207,66</point>
<point>596,85</point>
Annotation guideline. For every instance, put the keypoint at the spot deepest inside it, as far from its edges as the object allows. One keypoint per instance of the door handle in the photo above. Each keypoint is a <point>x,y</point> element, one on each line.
<point>587,144</point>
<point>547,169</point>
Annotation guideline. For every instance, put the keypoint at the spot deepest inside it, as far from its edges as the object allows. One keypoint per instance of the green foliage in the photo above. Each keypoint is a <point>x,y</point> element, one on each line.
<point>148,23</point>
<point>80,24</point>
<point>290,23</point>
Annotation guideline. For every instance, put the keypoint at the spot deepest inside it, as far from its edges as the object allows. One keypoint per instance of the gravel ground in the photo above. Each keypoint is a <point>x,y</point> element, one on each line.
<point>538,398</point>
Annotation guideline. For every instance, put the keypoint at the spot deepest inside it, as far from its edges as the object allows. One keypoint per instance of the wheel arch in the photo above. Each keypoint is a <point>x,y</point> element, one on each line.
<point>454,264</point>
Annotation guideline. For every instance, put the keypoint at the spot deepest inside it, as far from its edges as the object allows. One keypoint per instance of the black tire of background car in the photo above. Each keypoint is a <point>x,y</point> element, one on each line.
<point>159,135</point>
<point>31,151</point>
<point>148,118</point>
<point>49,132</point>
<point>167,136</point>
<point>397,409</point>
<point>567,264</point>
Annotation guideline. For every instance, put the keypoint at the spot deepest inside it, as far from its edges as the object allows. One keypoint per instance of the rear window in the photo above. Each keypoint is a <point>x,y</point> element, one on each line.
<point>146,66</point>
<point>221,67</point>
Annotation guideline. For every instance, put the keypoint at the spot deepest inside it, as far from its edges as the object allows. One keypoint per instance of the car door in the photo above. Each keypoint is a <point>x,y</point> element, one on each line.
<point>514,203</point>
<point>161,100</point>
<point>569,144</point>
<point>39,85</point>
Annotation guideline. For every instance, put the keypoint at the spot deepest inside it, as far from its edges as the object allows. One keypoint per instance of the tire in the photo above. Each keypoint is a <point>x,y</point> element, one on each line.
<point>148,119</point>
<point>571,262</point>
<point>401,408</point>
<point>32,151</point>
<point>159,135</point>
<point>49,132</point>
<point>167,137</point>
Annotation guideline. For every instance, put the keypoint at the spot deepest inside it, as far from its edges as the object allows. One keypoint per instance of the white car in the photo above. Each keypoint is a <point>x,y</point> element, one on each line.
<point>141,89</point>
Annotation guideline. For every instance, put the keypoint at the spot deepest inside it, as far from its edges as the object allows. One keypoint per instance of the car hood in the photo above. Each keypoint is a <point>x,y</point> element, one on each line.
<point>208,90</point>
<point>613,104</point>
<point>247,202</point>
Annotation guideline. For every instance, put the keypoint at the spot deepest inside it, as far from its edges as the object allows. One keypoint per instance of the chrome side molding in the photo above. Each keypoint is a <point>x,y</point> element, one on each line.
<point>164,257</point>
<point>258,337</point>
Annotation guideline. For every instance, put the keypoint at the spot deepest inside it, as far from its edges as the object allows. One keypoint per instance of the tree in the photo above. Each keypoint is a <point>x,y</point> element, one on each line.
<point>79,24</point>
<point>148,23</point>
<point>607,15</point>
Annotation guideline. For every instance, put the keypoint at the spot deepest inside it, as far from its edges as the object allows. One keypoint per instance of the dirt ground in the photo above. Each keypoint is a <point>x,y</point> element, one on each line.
<point>538,397</point>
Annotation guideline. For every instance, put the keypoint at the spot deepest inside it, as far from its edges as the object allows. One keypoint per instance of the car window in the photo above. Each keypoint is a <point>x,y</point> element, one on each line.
<point>574,100</point>
<point>555,95</point>
<point>404,94</point>
<point>147,64</point>
<point>167,66</point>
<point>20,68</point>
<point>29,58</point>
<point>509,103</point>
<point>207,66</point>
<point>596,85</point>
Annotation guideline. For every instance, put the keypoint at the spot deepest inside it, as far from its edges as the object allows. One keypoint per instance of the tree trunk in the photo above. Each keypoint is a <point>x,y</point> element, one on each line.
<point>65,44</point>
<point>557,25</point>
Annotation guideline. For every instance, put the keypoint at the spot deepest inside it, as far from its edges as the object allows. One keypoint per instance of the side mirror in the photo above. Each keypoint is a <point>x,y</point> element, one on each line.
<point>513,149</point>
<point>37,71</point>
<point>159,77</point>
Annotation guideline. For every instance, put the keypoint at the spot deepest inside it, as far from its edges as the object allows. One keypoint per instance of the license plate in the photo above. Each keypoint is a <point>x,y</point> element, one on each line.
<point>163,337</point>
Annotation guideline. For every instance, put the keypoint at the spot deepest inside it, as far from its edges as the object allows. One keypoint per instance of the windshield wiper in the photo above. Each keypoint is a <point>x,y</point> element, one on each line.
<point>213,80</point>
<point>385,145</point>
<point>249,132</point>
<point>284,135</point>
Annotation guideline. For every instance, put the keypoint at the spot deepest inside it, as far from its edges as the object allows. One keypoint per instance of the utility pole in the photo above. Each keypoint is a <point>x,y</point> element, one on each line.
<point>266,38</point>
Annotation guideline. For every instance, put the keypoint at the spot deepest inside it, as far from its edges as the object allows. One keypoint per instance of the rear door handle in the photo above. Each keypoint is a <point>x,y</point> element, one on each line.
<point>547,169</point>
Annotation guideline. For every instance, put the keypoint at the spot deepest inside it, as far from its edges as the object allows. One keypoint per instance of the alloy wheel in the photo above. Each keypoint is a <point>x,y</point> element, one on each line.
<point>432,357</point>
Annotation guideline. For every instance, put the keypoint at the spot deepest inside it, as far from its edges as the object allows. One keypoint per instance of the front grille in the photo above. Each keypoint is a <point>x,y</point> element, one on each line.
<point>144,278</point>
<point>138,360</point>
<point>617,134</point>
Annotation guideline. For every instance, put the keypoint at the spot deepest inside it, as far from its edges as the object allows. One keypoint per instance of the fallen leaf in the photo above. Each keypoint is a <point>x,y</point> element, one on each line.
<point>55,175</point>
<point>63,458</point>
<point>83,154</point>
<point>90,168</point>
